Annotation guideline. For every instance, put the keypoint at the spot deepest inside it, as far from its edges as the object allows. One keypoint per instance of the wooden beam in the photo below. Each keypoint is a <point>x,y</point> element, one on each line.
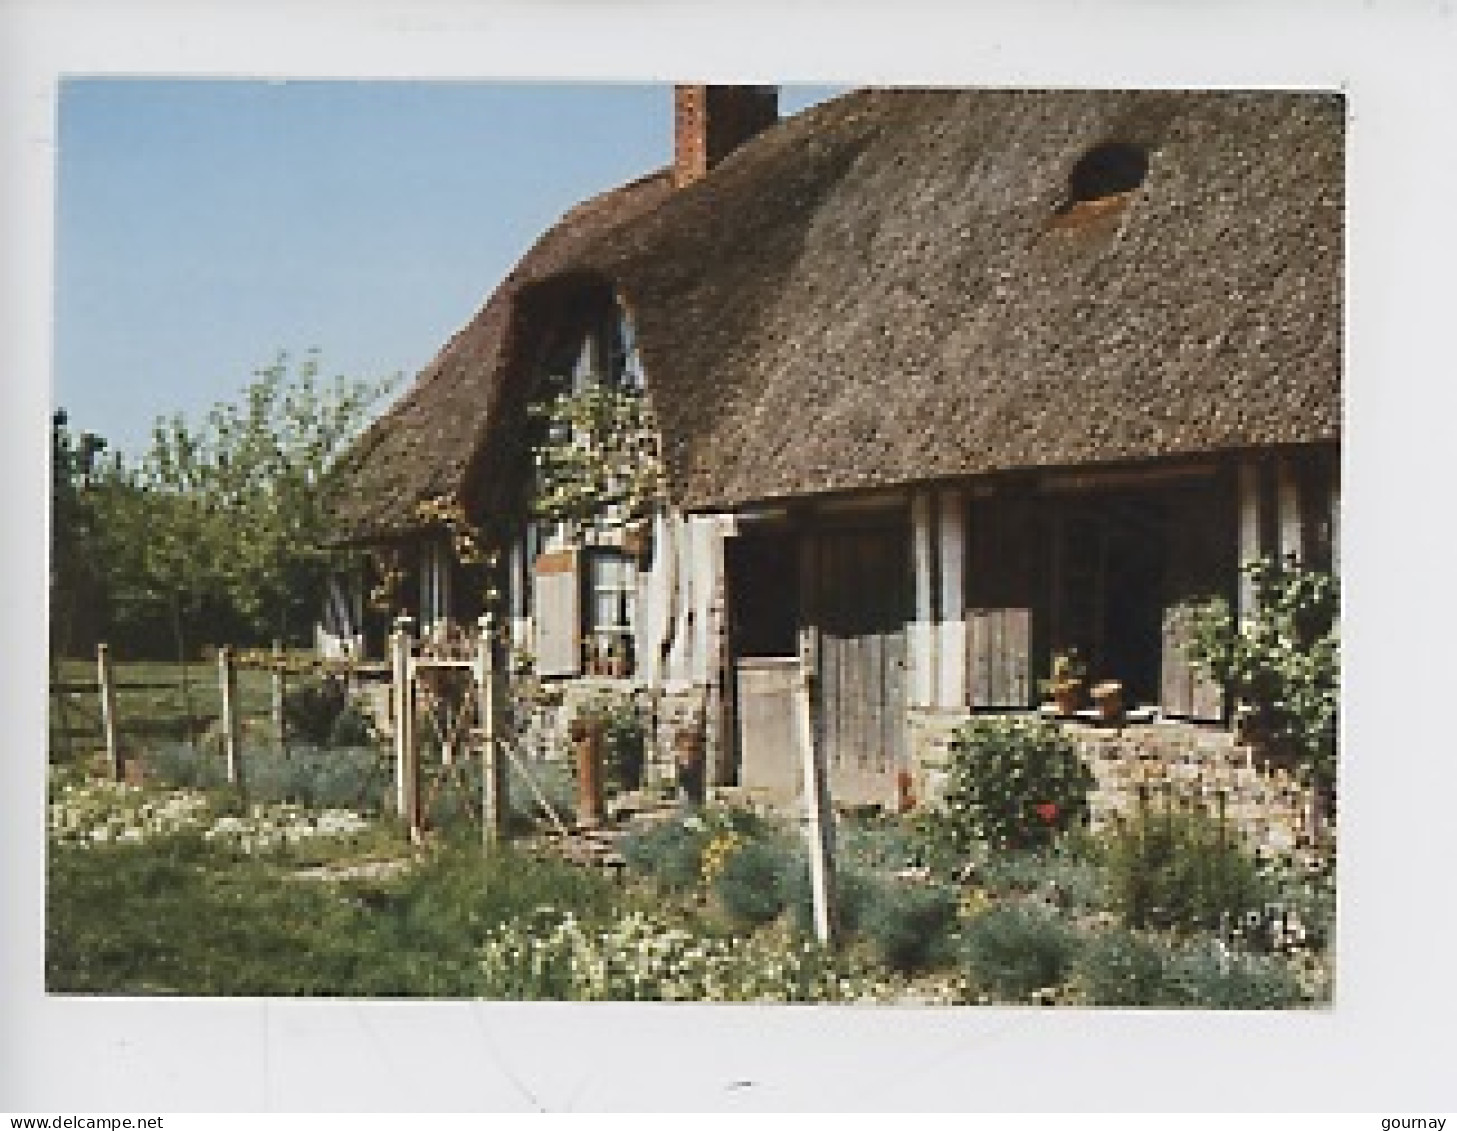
<point>406,770</point>
<point>107,685</point>
<point>921,631</point>
<point>819,816</point>
<point>494,796</point>
<point>1249,534</point>
<point>1287,503</point>
<point>1060,482</point>
<point>951,642</point>
<point>228,687</point>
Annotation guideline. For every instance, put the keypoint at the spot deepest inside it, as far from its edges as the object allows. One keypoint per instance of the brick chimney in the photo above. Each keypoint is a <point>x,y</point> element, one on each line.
<point>710,122</point>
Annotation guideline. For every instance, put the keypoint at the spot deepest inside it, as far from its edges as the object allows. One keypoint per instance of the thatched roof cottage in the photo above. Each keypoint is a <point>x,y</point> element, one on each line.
<point>946,380</point>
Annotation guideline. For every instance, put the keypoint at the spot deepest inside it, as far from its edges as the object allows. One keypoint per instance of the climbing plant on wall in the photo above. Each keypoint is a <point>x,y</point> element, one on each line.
<point>599,462</point>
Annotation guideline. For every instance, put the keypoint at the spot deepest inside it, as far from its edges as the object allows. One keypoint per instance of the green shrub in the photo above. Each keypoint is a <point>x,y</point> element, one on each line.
<point>1302,895</point>
<point>1208,975</point>
<point>1062,877</point>
<point>1011,783</point>
<point>1120,968</point>
<point>182,764</point>
<point>624,739</point>
<point>1180,869</point>
<point>359,778</point>
<point>1015,949</point>
<point>750,884</point>
<point>312,707</point>
<point>855,889</point>
<point>670,852</point>
<point>909,925</point>
<point>1282,663</point>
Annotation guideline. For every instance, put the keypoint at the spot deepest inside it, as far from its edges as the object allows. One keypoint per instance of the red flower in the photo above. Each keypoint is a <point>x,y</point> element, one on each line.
<point>1047,810</point>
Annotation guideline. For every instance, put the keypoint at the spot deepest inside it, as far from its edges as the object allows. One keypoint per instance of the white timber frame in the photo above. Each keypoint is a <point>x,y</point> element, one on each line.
<point>1287,509</point>
<point>434,584</point>
<point>921,635</point>
<point>1249,534</point>
<point>951,690</point>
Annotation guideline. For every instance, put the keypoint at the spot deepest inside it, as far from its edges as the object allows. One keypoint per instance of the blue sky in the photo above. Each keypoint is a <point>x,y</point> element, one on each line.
<point>204,225</point>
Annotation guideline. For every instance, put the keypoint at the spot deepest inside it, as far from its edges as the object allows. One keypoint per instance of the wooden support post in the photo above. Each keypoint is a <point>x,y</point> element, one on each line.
<point>922,634</point>
<point>1249,535</point>
<point>1287,506</point>
<point>228,689</point>
<point>279,689</point>
<point>819,817</point>
<point>494,786</point>
<point>951,682</point>
<point>407,793</point>
<point>107,686</point>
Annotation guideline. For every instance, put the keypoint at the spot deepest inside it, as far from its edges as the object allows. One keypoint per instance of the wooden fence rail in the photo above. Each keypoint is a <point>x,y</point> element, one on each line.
<point>486,699</point>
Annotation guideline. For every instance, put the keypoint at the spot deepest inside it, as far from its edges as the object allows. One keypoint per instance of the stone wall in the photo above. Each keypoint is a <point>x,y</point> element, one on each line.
<point>1156,763</point>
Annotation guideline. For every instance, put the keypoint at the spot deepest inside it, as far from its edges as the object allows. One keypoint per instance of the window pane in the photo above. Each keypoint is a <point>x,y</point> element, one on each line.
<point>605,610</point>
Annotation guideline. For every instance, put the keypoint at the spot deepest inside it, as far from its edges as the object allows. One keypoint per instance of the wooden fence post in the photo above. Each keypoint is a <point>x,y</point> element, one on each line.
<point>107,686</point>
<point>228,687</point>
<point>494,796</point>
<point>279,688</point>
<point>819,818</point>
<point>407,782</point>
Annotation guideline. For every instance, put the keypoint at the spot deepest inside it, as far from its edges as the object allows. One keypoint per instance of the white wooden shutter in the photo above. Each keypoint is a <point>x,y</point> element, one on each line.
<point>557,613</point>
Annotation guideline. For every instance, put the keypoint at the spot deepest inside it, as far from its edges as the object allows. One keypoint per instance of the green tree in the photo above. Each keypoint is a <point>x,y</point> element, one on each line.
<point>75,578</point>
<point>227,520</point>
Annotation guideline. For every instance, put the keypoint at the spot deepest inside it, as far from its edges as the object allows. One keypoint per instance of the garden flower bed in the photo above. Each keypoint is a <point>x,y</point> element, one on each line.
<point>158,890</point>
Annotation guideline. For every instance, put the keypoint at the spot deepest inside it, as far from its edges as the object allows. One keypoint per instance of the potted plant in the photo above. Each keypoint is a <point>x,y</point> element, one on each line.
<point>1065,686</point>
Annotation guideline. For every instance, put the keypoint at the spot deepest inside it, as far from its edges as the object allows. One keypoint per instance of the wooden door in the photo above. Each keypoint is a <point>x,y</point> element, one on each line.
<point>862,603</point>
<point>1201,564</point>
<point>1005,576</point>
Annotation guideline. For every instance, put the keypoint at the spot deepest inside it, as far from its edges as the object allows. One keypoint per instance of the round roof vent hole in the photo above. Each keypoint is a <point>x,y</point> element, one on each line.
<point>1106,170</point>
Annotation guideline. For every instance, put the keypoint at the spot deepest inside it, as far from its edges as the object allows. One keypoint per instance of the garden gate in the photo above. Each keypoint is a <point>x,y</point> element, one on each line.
<point>455,685</point>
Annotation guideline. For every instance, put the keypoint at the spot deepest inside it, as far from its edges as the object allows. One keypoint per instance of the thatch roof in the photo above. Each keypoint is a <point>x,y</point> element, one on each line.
<point>890,288</point>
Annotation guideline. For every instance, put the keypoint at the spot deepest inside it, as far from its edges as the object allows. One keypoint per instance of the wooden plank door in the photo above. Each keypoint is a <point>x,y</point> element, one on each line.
<point>863,604</point>
<point>1201,563</point>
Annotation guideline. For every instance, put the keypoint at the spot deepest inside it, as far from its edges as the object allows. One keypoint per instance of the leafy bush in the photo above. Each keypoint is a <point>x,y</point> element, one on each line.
<point>1015,949</point>
<point>1120,968</point>
<point>1301,907</point>
<point>1011,783</point>
<point>1180,869</point>
<point>1066,878</point>
<point>311,707</point>
<point>909,924</point>
<point>670,851</point>
<point>749,885</point>
<point>1207,975</point>
<point>182,764</point>
<point>349,777</point>
<point>624,746</point>
<point>1283,663</point>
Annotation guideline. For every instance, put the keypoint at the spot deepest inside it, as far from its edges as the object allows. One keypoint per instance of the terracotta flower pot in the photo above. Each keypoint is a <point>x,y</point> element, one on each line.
<point>1108,697</point>
<point>1067,698</point>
